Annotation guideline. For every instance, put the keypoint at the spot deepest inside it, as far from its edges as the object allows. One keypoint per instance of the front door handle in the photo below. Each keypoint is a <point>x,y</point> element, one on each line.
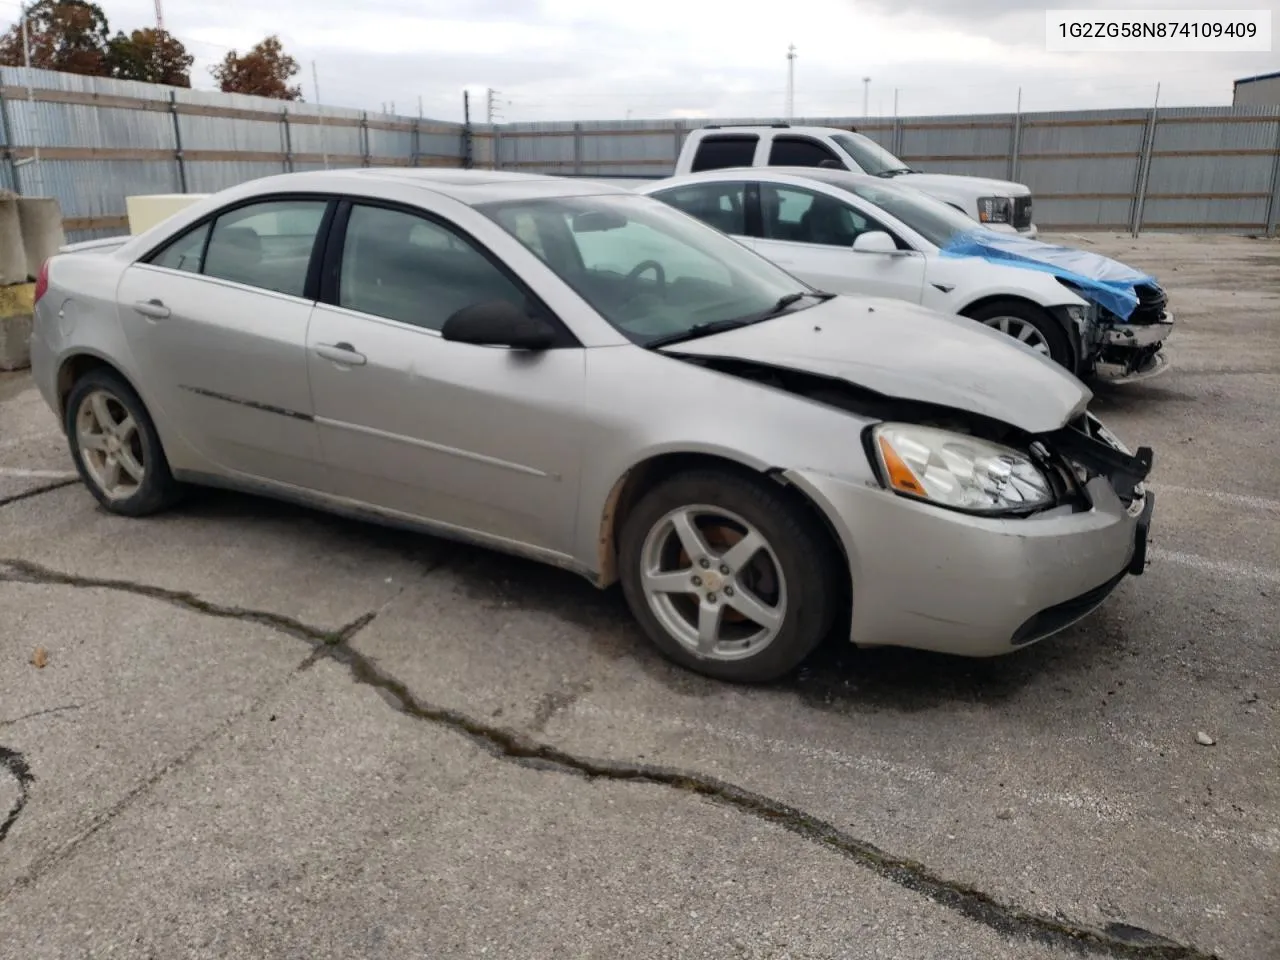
<point>152,308</point>
<point>343,353</point>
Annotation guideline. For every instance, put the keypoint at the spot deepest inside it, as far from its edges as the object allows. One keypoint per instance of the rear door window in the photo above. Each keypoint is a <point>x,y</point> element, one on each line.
<point>800,152</point>
<point>720,205</point>
<point>719,152</point>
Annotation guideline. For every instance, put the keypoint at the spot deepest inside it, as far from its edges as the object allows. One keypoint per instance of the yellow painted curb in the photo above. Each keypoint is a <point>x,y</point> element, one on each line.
<point>16,300</point>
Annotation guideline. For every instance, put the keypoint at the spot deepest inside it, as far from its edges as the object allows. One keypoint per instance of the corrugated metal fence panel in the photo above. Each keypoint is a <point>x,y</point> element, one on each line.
<point>317,139</point>
<point>97,188</point>
<point>210,176</point>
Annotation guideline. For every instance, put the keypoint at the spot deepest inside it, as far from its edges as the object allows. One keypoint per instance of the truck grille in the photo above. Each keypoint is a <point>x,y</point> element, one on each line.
<point>1021,212</point>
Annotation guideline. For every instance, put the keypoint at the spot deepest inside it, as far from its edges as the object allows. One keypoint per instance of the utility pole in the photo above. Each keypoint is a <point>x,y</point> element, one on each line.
<point>866,96</point>
<point>791,80</point>
<point>31,105</point>
<point>160,15</point>
<point>315,83</point>
<point>491,105</point>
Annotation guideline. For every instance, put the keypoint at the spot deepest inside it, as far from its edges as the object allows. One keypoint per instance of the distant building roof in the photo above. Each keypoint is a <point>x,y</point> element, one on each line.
<point>1261,76</point>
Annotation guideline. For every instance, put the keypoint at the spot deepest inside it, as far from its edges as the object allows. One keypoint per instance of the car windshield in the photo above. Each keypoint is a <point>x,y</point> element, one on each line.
<point>654,273</point>
<point>937,222</point>
<point>870,156</point>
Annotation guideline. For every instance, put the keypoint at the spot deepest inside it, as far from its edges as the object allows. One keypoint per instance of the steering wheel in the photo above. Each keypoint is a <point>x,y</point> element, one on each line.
<point>659,274</point>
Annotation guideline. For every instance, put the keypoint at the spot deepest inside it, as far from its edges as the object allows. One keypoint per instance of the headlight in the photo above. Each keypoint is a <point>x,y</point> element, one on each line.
<point>958,471</point>
<point>995,209</point>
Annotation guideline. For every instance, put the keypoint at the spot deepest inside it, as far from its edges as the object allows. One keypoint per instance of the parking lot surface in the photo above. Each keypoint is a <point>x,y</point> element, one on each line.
<point>260,731</point>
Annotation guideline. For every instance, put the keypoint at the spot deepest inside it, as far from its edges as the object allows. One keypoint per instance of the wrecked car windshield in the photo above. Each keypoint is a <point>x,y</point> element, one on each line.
<point>869,155</point>
<point>937,222</point>
<point>654,273</point>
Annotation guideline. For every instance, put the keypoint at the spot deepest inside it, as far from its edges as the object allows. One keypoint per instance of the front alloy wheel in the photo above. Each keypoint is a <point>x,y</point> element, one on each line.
<point>729,574</point>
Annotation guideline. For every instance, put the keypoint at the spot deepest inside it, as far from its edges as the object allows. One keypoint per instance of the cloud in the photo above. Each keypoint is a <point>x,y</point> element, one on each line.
<point>583,59</point>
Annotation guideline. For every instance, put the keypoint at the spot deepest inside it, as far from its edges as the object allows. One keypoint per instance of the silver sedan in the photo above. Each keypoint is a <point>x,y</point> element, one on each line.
<point>595,380</point>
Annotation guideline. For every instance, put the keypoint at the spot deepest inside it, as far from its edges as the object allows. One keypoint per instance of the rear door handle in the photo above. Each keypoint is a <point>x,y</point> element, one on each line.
<point>343,353</point>
<point>152,308</point>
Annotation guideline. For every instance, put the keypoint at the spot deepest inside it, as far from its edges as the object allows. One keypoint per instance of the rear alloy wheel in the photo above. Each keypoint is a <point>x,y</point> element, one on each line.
<point>115,446</point>
<point>729,577</point>
<point>1027,324</point>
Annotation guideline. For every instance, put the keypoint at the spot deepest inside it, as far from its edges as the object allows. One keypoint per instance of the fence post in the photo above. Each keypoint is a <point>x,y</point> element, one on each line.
<point>1015,146</point>
<point>288,141</point>
<point>364,138</point>
<point>577,149</point>
<point>897,137</point>
<point>495,138</point>
<point>5,146</point>
<point>679,144</point>
<point>1144,173</point>
<point>1273,204</point>
<point>177,142</point>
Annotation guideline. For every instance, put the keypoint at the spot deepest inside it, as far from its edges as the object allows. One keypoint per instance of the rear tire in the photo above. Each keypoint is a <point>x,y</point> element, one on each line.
<point>116,448</point>
<point>728,575</point>
<point>1028,323</point>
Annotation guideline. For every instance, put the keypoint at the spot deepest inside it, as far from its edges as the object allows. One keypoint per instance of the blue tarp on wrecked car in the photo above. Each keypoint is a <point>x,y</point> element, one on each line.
<point>1107,282</point>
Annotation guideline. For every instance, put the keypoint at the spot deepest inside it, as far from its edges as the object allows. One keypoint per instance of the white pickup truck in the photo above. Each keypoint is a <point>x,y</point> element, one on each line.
<point>997,204</point>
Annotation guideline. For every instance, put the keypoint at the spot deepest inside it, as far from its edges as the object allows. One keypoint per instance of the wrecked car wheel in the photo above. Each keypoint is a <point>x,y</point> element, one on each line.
<point>1029,324</point>
<point>116,448</point>
<point>729,575</point>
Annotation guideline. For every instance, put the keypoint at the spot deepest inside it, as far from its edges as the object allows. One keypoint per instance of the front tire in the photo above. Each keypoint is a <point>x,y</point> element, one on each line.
<point>115,446</point>
<point>728,575</point>
<point>1029,324</point>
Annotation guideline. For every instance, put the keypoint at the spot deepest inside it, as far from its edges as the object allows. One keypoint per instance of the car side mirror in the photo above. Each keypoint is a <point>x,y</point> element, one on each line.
<point>874,241</point>
<point>499,323</point>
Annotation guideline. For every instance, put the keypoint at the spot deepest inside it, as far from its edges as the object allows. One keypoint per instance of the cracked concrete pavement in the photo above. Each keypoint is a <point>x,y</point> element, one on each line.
<point>263,731</point>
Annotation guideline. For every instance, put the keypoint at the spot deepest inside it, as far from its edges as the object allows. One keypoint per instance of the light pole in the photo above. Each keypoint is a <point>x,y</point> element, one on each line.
<point>866,94</point>
<point>791,80</point>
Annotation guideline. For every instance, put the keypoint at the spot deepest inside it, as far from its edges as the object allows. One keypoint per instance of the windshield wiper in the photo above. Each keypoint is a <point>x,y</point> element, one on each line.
<point>733,323</point>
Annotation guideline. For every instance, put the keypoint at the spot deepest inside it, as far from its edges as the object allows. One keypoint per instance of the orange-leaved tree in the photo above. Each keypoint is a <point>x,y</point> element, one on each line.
<point>149,55</point>
<point>263,72</point>
<point>67,35</point>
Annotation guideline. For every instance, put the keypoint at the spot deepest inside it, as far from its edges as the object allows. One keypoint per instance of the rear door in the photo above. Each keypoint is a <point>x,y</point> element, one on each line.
<point>483,439</point>
<point>810,234</point>
<point>217,321</point>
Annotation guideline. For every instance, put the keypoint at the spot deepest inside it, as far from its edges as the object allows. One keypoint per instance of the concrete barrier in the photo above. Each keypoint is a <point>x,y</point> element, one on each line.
<point>30,233</point>
<point>15,325</point>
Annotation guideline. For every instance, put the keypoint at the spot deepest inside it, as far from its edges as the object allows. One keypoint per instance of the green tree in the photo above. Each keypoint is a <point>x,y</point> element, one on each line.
<point>263,72</point>
<point>149,55</point>
<point>66,35</point>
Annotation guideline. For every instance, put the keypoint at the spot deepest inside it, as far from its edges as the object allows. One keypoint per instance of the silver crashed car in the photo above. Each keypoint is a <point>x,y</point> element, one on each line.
<point>590,378</point>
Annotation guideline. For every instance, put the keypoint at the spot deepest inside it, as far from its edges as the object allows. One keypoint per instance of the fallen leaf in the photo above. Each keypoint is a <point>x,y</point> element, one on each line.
<point>40,657</point>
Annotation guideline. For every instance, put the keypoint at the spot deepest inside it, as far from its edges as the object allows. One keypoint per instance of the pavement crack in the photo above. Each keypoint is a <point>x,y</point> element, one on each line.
<point>40,713</point>
<point>16,764</point>
<point>1119,941</point>
<point>37,491</point>
<point>24,571</point>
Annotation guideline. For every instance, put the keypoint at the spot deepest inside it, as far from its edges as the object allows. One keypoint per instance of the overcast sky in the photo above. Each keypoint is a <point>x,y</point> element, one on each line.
<point>593,59</point>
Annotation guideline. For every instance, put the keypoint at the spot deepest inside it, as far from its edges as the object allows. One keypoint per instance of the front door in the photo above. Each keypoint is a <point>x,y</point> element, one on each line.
<point>218,320</point>
<point>810,235</point>
<point>482,439</point>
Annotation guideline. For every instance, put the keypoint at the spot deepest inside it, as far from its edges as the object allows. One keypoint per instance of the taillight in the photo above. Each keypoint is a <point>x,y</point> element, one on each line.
<point>42,282</point>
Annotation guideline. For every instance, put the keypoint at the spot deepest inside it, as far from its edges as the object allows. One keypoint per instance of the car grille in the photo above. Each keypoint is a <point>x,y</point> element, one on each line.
<point>1021,212</point>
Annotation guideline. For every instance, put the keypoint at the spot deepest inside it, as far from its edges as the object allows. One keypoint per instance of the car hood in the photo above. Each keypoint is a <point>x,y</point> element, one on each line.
<point>981,186</point>
<point>909,352</point>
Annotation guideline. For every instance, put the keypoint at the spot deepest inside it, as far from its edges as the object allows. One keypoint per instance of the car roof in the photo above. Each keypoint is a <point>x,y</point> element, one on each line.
<point>832,177</point>
<point>471,187</point>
